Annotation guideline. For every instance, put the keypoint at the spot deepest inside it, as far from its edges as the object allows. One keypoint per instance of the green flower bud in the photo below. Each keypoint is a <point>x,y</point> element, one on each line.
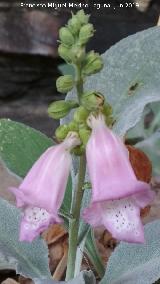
<point>64,52</point>
<point>61,108</point>
<point>92,64</point>
<point>92,100</point>
<point>86,32</point>
<point>84,135</point>
<point>66,36</point>
<point>61,132</point>
<point>77,53</point>
<point>108,112</point>
<point>79,150</point>
<point>82,17</point>
<point>81,115</point>
<point>73,126</point>
<point>74,25</point>
<point>65,83</point>
<point>107,109</point>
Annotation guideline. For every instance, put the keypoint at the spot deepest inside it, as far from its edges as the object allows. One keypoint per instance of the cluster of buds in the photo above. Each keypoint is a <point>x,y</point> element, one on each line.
<point>74,36</point>
<point>91,102</point>
<point>73,39</point>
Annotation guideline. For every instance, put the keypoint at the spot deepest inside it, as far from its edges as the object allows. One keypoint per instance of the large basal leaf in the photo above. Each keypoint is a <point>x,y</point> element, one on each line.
<point>21,146</point>
<point>130,77</point>
<point>136,264</point>
<point>138,132</point>
<point>85,277</point>
<point>28,259</point>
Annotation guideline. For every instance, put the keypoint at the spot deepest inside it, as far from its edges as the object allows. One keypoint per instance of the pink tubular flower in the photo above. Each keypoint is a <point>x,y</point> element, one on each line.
<point>41,192</point>
<point>117,195</point>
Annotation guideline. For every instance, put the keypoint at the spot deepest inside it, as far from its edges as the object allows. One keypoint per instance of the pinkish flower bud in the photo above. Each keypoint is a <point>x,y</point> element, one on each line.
<point>117,195</point>
<point>42,190</point>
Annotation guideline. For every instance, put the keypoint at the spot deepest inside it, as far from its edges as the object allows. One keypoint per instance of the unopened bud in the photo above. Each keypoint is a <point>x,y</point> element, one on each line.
<point>86,32</point>
<point>108,112</point>
<point>79,150</point>
<point>77,53</point>
<point>66,36</point>
<point>73,126</point>
<point>65,83</point>
<point>61,132</point>
<point>92,100</point>
<point>84,134</point>
<point>82,17</point>
<point>80,115</point>
<point>93,63</point>
<point>61,108</point>
<point>74,25</point>
<point>64,52</point>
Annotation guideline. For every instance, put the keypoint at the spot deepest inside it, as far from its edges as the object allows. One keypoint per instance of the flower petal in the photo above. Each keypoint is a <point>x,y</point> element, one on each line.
<point>35,220</point>
<point>121,217</point>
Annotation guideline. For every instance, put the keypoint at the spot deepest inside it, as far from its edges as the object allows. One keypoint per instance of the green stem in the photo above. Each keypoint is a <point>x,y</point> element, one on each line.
<point>79,82</point>
<point>74,221</point>
<point>77,195</point>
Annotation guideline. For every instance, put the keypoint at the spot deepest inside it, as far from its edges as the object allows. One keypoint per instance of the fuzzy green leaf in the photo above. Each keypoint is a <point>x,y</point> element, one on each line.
<point>21,146</point>
<point>28,259</point>
<point>136,263</point>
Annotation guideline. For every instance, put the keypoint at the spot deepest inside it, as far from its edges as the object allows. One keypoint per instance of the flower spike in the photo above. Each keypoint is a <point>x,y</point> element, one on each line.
<point>42,190</point>
<point>117,195</point>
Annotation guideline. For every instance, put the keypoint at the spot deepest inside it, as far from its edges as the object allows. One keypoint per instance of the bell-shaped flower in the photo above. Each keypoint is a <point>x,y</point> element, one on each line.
<point>117,195</point>
<point>42,191</point>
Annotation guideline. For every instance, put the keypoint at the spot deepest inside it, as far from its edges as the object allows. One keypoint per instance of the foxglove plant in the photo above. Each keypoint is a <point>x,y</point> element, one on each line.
<point>116,195</point>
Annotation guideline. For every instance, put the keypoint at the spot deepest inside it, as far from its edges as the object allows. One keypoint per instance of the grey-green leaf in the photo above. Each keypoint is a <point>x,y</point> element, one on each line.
<point>66,69</point>
<point>28,259</point>
<point>151,146</point>
<point>130,77</point>
<point>93,254</point>
<point>85,277</point>
<point>21,146</point>
<point>136,263</point>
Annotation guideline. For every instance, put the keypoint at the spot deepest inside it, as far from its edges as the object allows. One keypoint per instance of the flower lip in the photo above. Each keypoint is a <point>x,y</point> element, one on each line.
<point>120,217</point>
<point>35,220</point>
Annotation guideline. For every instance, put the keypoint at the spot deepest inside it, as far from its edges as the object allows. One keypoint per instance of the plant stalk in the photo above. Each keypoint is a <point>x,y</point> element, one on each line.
<point>77,196</point>
<point>74,221</point>
<point>79,82</point>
